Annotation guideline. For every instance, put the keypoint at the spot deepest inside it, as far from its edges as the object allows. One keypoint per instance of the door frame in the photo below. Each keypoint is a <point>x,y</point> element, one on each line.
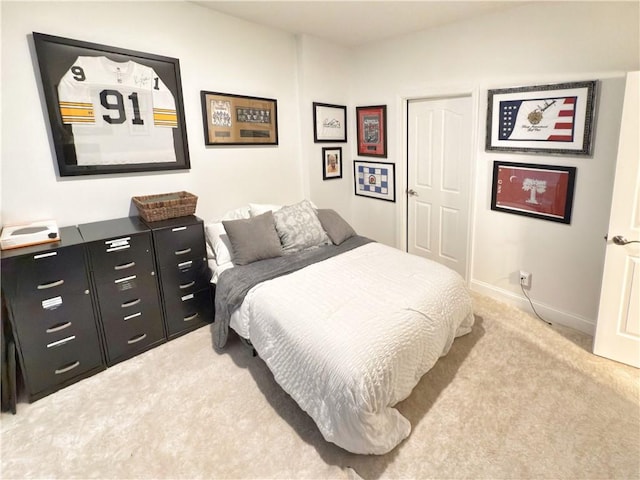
<point>402,168</point>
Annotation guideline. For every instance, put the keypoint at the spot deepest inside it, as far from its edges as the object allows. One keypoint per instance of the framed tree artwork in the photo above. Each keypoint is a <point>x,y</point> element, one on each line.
<point>539,191</point>
<point>111,110</point>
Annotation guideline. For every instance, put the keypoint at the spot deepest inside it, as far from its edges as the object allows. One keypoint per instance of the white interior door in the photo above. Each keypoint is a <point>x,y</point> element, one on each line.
<point>439,179</point>
<point>618,328</point>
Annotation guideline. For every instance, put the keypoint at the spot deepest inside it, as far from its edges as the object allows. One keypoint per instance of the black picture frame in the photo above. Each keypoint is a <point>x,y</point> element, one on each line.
<point>375,180</point>
<point>329,123</point>
<point>533,190</point>
<point>231,119</point>
<point>152,74</point>
<point>331,163</point>
<point>542,119</point>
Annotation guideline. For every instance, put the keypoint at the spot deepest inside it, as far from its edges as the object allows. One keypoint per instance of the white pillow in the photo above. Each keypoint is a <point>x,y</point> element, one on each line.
<point>242,212</point>
<point>256,209</point>
<point>218,244</point>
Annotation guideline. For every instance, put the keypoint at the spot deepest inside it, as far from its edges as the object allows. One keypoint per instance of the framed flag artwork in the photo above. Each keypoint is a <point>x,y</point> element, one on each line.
<point>550,119</point>
<point>111,110</point>
<point>375,180</point>
<point>539,191</point>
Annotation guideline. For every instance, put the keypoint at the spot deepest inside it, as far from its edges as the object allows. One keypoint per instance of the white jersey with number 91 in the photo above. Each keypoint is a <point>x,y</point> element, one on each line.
<point>121,113</point>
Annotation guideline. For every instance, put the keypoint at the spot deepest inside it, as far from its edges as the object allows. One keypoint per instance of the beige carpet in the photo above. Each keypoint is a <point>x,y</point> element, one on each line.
<point>513,399</point>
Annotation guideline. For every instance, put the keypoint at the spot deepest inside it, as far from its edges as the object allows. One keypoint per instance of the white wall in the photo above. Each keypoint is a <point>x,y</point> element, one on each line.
<point>216,52</point>
<point>535,43</point>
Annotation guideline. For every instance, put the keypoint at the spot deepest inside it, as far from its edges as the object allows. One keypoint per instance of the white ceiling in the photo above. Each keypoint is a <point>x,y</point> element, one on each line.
<point>354,23</point>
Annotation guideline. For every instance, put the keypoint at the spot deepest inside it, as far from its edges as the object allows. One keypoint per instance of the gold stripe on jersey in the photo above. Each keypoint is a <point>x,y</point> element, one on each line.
<point>77,112</point>
<point>164,117</point>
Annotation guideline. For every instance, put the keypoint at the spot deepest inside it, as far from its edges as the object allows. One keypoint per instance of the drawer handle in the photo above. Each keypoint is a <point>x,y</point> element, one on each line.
<point>124,279</point>
<point>178,229</point>
<point>65,369</point>
<point>188,285</point>
<point>137,339</point>
<point>61,342</point>
<point>133,315</point>
<point>125,266</point>
<point>58,327</point>
<point>183,252</point>
<point>188,319</point>
<point>185,265</point>
<point>45,255</point>
<point>44,286</point>
<point>131,303</point>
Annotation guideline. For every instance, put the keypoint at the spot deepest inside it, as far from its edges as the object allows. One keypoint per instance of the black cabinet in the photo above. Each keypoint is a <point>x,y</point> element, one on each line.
<point>49,304</point>
<point>184,275</point>
<point>121,260</point>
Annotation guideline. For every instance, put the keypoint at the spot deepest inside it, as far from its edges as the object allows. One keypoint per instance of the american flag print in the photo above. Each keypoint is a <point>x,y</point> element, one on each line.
<point>545,119</point>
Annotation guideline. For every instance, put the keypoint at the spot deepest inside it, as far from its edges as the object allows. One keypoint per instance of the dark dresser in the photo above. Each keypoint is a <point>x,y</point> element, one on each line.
<point>48,302</point>
<point>184,275</point>
<point>123,272</point>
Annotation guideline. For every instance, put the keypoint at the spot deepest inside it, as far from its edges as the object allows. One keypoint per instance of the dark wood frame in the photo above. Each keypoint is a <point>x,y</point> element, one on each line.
<point>391,196</point>
<point>327,114</point>
<point>577,128</point>
<point>241,129</point>
<point>325,152</point>
<point>556,206</point>
<point>372,131</point>
<point>56,56</point>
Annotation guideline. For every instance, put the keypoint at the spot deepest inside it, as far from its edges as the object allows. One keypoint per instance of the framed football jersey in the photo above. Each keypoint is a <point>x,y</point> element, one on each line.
<point>111,110</point>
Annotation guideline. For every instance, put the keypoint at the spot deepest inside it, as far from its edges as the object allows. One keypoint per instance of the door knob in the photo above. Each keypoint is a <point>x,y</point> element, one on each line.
<point>412,193</point>
<point>620,240</point>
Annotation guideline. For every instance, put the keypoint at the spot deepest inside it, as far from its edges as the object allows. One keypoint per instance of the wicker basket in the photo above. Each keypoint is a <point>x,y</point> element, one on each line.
<point>153,208</point>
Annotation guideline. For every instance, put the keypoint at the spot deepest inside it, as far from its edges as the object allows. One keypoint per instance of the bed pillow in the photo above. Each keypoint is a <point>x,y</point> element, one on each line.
<point>298,227</point>
<point>218,245</point>
<point>235,214</point>
<point>253,238</point>
<point>256,209</point>
<point>336,227</point>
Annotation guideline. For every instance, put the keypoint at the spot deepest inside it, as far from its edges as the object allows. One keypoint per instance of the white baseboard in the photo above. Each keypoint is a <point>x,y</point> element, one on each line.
<point>551,314</point>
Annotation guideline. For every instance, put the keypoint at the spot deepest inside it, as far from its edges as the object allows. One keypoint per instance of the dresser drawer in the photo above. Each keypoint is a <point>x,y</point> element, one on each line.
<point>120,298</point>
<point>52,364</point>
<point>121,257</point>
<point>178,244</point>
<point>39,274</point>
<point>127,337</point>
<point>49,320</point>
<point>185,277</point>
<point>188,311</point>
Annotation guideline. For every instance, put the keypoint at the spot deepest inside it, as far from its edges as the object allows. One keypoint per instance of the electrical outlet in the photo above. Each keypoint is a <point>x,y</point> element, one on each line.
<point>525,279</point>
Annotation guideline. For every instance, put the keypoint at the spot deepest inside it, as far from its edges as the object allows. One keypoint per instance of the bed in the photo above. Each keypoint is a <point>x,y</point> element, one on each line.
<point>347,326</point>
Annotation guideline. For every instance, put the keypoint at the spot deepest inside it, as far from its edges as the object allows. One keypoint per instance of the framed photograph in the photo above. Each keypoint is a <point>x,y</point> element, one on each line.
<point>239,119</point>
<point>372,131</point>
<point>329,123</point>
<point>375,179</point>
<point>111,110</point>
<point>331,163</point>
<point>539,191</point>
<point>550,119</point>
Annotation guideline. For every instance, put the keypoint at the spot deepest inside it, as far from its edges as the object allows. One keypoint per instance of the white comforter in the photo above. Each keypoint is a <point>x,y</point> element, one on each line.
<point>351,336</point>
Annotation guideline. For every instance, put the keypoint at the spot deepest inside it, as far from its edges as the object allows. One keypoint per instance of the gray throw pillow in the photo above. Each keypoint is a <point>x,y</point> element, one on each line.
<point>336,227</point>
<point>299,228</point>
<point>253,238</point>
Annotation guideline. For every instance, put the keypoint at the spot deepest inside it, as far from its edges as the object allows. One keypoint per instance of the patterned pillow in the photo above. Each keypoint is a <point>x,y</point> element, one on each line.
<point>298,227</point>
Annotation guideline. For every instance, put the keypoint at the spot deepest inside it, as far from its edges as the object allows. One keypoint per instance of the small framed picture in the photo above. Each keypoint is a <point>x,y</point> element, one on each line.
<point>375,180</point>
<point>372,131</point>
<point>550,119</point>
<point>331,163</point>
<point>539,191</point>
<point>329,123</point>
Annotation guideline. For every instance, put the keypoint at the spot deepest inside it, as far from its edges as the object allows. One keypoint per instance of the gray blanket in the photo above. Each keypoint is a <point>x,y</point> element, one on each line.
<point>234,283</point>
